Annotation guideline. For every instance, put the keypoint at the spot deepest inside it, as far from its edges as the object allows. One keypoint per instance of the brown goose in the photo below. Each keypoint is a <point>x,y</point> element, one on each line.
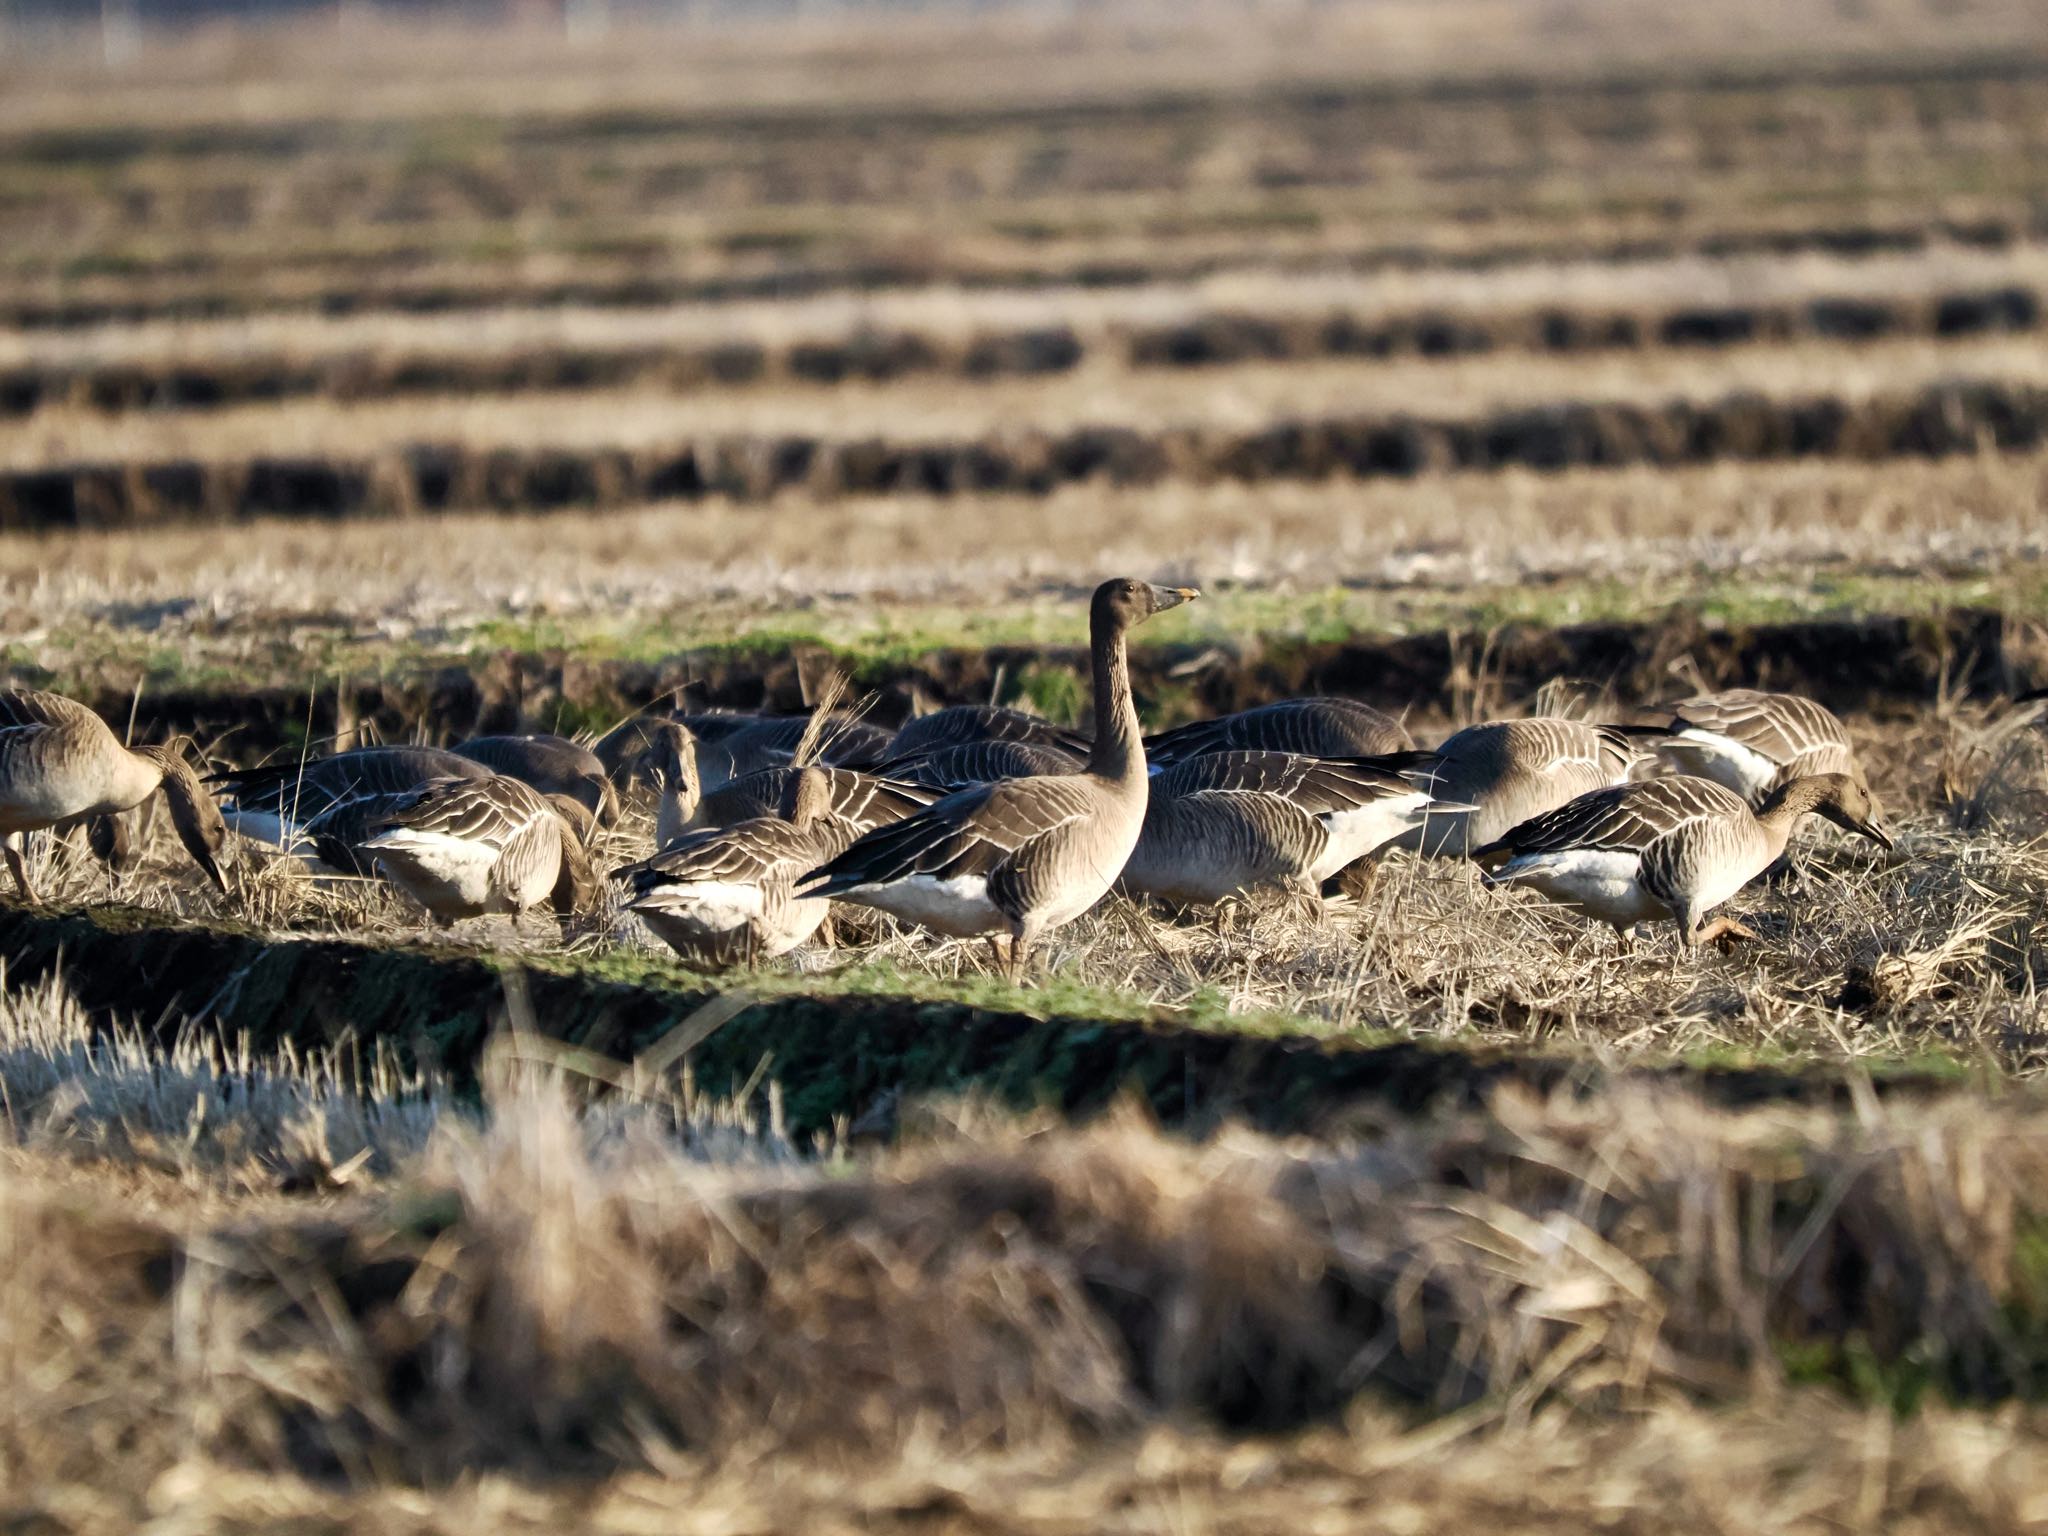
<point>1752,741</point>
<point>962,725</point>
<point>1502,773</point>
<point>1225,823</point>
<point>470,847</point>
<point>725,895</point>
<point>59,763</point>
<point>1675,847</point>
<point>1021,856</point>
<point>983,762</point>
<point>554,765</point>
<point>1317,727</point>
<point>274,804</point>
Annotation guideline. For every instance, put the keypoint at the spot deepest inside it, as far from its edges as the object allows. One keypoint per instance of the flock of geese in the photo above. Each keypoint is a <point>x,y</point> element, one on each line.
<point>985,821</point>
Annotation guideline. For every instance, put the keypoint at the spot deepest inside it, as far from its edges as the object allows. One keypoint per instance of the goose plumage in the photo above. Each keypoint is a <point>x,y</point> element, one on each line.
<point>554,765</point>
<point>843,741</point>
<point>1225,823</point>
<point>1752,741</point>
<point>1312,727</point>
<point>60,764</point>
<point>1022,856</point>
<point>962,725</point>
<point>726,895</point>
<point>275,803</point>
<point>471,847</point>
<point>1673,847</point>
<point>1496,775</point>
<point>983,762</point>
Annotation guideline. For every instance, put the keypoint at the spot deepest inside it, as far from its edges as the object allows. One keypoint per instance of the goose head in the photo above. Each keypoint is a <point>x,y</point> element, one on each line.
<point>194,814</point>
<point>1847,801</point>
<point>1124,601</point>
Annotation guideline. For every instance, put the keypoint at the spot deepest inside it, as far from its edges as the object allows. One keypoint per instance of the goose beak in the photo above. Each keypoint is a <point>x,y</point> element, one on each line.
<point>1877,832</point>
<point>1173,597</point>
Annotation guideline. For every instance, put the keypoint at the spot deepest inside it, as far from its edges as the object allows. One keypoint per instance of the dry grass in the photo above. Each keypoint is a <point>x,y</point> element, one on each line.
<point>1243,397</point>
<point>856,567</point>
<point>951,315</point>
<point>1521,1315</point>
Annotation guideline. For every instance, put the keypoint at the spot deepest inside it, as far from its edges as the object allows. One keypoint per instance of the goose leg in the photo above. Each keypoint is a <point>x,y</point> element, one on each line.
<point>1727,932</point>
<point>18,867</point>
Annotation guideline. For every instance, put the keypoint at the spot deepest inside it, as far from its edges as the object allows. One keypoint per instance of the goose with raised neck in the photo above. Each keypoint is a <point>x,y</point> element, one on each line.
<point>1018,857</point>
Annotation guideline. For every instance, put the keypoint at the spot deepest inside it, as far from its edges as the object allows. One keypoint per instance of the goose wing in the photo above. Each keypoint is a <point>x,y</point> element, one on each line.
<point>975,831</point>
<point>325,782</point>
<point>983,762</point>
<point>1779,726</point>
<point>766,848</point>
<point>1316,727</point>
<point>1622,818</point>
<point>1319,785</point>
<point>31,706</point>
<point>862,800</point>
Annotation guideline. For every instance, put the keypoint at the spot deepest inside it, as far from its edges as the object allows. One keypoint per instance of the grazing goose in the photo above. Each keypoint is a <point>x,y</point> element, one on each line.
<point>1675,847</point>
<point>1318,727</point>
<point>274,804</point>
<point>1225,823</point>
<point>983,762</point>
<point>113,837</point>
<point>725,895</point>
<point>1021,856</point>
<point>1502,773</point>
<point>1752,742</point>
<point>554,765</point>
<point>469,847</point>
<point>59,763</point>
<point>962,725</point>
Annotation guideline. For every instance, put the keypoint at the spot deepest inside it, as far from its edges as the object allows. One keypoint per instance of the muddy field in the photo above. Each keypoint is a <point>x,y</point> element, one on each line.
<point>1475,360</point>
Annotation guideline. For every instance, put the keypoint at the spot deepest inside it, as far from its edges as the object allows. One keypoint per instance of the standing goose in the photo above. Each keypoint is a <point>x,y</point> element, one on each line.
<point>274,804</point>
<point>1502,773</point>
<point>725,895</point>
<point>59,763</point>
<point>554,765</point>
<point>1752,742</point>
<point>983,762</point>
<point>1225,823</point>
<point>470,847</point>
<point>1675,847</point>
<point>962,725</point>
<point>1022,856</point>
<point>1317,727</point>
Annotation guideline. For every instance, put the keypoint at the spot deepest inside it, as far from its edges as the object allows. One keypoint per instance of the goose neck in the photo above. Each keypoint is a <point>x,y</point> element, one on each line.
<point>1119,750</point>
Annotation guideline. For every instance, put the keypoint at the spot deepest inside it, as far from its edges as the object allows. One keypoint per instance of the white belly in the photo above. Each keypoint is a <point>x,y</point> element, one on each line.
<point>1599,883</point>
<point>727,921</point>
<point>1366,830</point>
<point>446,875</point>
<point>1726,761</point>
<point>959,907</point>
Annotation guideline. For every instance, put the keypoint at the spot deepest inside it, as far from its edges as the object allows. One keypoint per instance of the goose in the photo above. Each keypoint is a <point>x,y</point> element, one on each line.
<point>471,847</point>
<point>982,762</point>
<point>861,800</point>
<point>1225,823</point>
<point>1752,741</point>
<point>1315,727</point>
<point>59,763</point>
<point>962,725</point>
<point>273,804</point>
<point>1021,856</point>
<point>554,765</point>
<point>725,895</point>
<point>1504,772</point>
<point>1674,847</point>
<point>114,837</point>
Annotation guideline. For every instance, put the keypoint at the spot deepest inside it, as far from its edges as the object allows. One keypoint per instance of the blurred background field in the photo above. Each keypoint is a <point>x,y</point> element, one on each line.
<point>379,371</point>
